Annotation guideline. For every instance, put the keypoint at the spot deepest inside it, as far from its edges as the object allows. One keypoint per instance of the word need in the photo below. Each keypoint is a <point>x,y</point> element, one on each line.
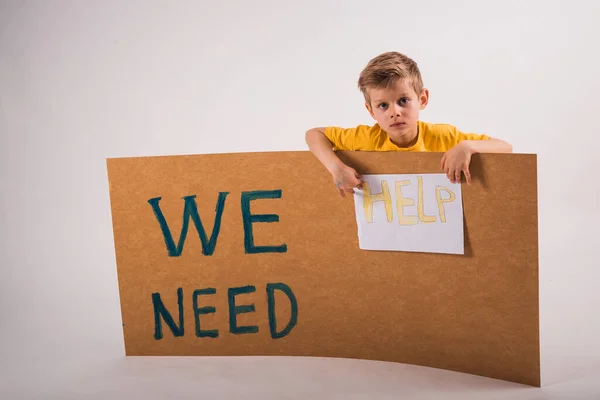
<point>162,313</point>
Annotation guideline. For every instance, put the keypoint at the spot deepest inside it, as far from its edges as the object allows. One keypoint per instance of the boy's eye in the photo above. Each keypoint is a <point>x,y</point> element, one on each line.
<point>383,105</point>
<point>404,100</point>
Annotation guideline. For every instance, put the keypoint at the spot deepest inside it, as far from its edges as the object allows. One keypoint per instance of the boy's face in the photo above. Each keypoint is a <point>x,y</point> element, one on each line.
<point>396,110</point>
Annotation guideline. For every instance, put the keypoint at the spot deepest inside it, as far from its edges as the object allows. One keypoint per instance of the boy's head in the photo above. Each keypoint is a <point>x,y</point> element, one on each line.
<point>393,89</point>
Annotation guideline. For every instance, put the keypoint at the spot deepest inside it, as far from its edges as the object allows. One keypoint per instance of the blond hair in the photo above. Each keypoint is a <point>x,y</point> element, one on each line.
<point>386,69</point>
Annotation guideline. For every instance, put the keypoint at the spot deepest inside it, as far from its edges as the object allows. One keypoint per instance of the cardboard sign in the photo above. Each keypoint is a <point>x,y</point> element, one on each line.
<point>257,254</point>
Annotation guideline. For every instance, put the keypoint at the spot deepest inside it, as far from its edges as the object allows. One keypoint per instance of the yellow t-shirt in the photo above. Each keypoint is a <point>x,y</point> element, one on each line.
<point>431,137</point>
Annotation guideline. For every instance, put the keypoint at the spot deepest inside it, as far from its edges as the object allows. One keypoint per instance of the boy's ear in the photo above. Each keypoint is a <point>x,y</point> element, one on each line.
<point>424,99</point>
<point>368,106</point>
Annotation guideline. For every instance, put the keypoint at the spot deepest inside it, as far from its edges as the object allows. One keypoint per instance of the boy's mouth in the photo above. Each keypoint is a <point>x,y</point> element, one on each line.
<point>397,124</point>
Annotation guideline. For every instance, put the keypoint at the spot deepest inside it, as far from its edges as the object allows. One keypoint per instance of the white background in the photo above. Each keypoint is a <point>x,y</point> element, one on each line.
<point>81,81</point>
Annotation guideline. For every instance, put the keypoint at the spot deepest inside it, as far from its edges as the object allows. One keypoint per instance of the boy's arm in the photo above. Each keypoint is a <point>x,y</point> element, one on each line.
<point>345,177</point>
<point>322,148</point>
<point>456,160</point>
<point>491,145</point>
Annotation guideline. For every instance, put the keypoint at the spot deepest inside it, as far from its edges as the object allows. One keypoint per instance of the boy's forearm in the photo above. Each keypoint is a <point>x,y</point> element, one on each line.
<point>322,148</point>
<point>489,146</point>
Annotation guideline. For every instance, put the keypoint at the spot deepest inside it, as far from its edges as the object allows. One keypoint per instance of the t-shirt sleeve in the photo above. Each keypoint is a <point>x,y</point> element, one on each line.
<point>443,137</point>
<point>342,138</point>
<point>460,136</point>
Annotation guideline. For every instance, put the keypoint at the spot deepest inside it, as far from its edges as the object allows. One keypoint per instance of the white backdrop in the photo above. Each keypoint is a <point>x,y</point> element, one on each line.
<point>81,81</point>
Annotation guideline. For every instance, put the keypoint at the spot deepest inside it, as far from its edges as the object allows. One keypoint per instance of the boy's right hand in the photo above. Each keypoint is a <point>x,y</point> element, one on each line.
<point>346,179</point>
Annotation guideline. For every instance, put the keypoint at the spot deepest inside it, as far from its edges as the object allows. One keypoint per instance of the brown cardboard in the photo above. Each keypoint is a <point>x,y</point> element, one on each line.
<point>475,313</point>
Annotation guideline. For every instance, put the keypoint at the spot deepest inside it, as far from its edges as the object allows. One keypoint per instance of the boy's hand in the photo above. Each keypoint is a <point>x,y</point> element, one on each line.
<point>346,179</point>
<point>457,160</point>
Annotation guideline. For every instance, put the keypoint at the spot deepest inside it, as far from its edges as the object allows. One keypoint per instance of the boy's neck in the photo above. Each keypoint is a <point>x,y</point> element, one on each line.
<point>409,142</point>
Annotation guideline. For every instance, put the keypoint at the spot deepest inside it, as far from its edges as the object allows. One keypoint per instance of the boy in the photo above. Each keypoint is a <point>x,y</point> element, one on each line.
<point>393,89</point>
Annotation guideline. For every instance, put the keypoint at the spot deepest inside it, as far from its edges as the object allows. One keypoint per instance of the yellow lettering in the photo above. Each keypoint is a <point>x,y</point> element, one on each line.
<point>403,202</point>
<point>422,216</point>
<point>369,199</point>
<point>441,201</point>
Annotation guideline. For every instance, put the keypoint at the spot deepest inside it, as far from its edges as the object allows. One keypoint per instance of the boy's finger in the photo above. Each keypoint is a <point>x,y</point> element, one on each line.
<point>467,175</point>
<point>457,175</point>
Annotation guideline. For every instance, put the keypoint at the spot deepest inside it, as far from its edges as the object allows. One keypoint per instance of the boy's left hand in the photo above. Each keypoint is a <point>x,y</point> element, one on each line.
<point>457,160</point>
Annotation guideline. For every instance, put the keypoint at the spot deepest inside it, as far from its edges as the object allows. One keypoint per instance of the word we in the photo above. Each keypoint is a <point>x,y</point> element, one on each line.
<point>402,202</point>
<point>208,245</point>
<point>179,329</point>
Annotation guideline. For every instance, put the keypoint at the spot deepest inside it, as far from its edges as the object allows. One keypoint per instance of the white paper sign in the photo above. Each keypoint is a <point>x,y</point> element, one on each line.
<point>410,212</point>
